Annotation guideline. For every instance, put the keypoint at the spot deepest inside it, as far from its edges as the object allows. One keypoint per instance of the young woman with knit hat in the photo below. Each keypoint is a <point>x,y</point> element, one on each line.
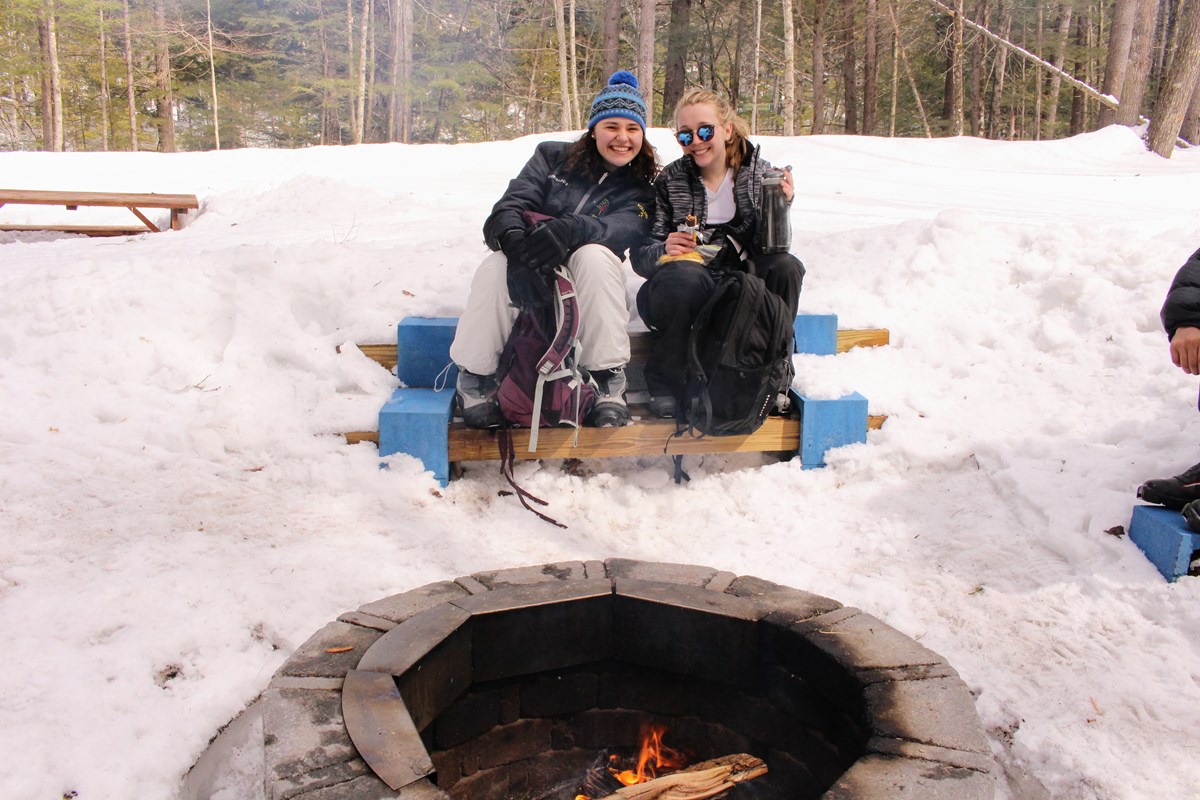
<point>576,204</point>
<point>707,220</point>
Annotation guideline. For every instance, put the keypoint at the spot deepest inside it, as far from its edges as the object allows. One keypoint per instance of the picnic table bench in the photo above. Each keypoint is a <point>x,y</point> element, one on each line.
<point>179,204</point>
<point>418,418</point>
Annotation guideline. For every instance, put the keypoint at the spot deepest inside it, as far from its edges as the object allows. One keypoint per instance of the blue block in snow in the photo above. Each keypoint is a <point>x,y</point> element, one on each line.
<point>1165,538</point>
<point>816,334</point>
<point>825,424</point>
<point>416,422</point>
<point>423,351</point>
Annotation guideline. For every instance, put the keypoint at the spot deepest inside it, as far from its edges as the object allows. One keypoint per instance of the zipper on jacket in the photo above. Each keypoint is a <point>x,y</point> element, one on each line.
<point>587,196</point>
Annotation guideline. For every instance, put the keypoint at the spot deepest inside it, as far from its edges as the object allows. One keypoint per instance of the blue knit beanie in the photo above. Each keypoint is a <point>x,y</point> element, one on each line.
<point>620,98</point>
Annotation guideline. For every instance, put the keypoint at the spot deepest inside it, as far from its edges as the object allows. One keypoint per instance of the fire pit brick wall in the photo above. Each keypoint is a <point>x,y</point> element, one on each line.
<point>464,697</point>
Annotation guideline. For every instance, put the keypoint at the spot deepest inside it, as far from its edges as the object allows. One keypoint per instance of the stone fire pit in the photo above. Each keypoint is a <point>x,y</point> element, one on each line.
<point>508,684</point>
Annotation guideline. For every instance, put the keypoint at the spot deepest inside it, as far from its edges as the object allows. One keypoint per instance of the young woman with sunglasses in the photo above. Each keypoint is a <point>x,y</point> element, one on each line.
<point>706,221</point>
<point>576,204</point>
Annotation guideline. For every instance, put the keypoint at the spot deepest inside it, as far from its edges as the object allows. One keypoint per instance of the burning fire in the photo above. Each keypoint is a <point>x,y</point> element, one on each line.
<point>653,757</point>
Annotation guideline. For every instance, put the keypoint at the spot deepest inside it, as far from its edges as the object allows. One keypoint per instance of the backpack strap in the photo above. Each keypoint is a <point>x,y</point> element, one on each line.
<point>564,343</point>
<point>507,456</point>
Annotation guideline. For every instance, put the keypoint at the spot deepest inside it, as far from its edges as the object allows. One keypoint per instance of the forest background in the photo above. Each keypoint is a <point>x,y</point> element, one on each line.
<point>173,75</point>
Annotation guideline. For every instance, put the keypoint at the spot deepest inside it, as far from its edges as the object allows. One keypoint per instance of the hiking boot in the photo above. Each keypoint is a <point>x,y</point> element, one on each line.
<point>1173,492</point>
<point>610,410</point>
<point>1191,515</point>
<point>664,406</point>
<point>477,398</point>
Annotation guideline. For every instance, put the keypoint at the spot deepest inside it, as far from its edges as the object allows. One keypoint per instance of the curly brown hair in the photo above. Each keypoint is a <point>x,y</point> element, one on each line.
<point>583,158</point>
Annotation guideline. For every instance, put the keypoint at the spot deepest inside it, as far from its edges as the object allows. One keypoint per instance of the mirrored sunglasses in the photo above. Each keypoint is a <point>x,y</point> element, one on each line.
<point>705,133</point>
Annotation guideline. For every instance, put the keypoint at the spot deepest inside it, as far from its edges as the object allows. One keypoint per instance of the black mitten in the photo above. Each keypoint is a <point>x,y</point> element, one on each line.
<point>528,289</point>
<point>547,245</point>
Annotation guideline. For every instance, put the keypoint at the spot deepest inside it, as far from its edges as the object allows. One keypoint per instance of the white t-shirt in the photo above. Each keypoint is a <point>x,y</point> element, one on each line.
<point>721,204</point>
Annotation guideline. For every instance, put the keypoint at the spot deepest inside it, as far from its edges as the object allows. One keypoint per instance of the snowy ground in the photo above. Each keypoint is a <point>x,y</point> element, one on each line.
<point>176,515</point>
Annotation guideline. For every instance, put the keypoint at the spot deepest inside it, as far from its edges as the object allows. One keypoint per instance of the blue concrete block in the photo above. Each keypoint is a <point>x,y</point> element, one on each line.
<point>423,351</point>
<point>825,424</point>
<point>416,422</point>
<point>816,334</point>
<point>1165,538</point>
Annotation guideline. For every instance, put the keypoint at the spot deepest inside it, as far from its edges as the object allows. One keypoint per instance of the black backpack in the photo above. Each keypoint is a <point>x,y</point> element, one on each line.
<point>739,357</point>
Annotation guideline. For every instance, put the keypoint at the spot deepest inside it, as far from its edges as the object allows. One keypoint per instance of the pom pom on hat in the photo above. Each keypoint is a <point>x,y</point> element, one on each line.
<point>620,98</point>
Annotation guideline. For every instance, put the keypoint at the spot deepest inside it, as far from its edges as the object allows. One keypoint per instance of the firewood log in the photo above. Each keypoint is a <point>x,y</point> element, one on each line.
<point>698,782</point>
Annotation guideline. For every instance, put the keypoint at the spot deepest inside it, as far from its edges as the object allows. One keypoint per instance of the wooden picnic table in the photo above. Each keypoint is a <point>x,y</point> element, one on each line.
<point>179,204</point>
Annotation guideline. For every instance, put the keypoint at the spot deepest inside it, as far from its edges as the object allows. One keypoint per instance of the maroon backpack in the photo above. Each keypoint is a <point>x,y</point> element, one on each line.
<point>540,382</point>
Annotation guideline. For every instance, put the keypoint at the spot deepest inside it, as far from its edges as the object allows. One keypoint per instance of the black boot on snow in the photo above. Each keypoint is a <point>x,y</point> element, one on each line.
<point>1172,492</point>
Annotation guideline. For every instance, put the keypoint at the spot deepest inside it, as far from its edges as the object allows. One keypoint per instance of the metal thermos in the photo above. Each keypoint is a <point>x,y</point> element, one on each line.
<point>776,228</point>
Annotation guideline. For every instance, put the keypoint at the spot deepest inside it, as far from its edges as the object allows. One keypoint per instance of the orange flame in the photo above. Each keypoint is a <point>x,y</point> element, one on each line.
<point>653,756</point>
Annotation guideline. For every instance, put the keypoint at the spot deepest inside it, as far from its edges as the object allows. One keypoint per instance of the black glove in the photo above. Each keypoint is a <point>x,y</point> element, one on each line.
<point>528,289</point>
<point>511,240</point>
<point>546,247</point>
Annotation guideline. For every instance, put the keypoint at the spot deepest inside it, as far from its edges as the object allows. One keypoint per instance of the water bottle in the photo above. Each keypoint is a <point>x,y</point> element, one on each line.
<point>776,228</point>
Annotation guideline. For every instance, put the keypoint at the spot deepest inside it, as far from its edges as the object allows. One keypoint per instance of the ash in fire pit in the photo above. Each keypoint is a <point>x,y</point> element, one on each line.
<point>509,684</point>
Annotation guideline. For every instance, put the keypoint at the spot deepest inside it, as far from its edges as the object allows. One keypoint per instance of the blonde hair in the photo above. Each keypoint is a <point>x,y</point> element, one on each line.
<point>725,115</point>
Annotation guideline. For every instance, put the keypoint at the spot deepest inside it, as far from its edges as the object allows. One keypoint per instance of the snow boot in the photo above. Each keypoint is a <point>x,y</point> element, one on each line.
<point>610,410</point>
<point>477,399</point>
<point>1173,492</point>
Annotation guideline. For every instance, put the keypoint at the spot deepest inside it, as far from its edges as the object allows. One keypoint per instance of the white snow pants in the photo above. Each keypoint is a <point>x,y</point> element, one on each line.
<point>488,318</point>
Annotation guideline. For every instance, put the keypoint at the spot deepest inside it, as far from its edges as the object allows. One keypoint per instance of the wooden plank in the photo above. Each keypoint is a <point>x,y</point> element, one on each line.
<point>645,438</point>
<point>108,199</point>
<point>482,446</point>
<point>639,345</point>
<point>850,338</point>
<point>89,230</point>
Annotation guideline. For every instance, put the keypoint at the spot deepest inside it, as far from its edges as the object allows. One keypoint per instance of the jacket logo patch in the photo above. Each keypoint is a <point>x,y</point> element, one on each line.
<point>601,207</point>
<point>557,179</point>
<point>642,211</point>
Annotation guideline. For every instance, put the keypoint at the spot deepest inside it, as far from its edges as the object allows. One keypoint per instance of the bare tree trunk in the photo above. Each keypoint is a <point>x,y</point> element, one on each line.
<point>677,45</point>
<point>1001,70</point>
<point>574,67</point>
<point>818,69</point>
<point>895,78</point>
<point>398,110</point>
<point>212,74</point>
<point>360,91</point>
<point>957,123</point>
<point>1133,89</point>
<point>52,114</point>
<point>908,71</point>
<point>369,94</point>
<point>130,89</point>
<point>165,112</point>
<point>978,48</point>
<point>1179,84</point>
<point>757,65</point>
<point>645,57</point>
<point>104,132</point>
<point>612,37</point>
<point>1078,98</point>
<point>564,80</point>
<point>1119,36</point>
<point>350,69</point>
<point>1037,77</point>
<point>850,67</point>
<point>870,67</point>
<point>1190,131</point>
<point>1054,89</point>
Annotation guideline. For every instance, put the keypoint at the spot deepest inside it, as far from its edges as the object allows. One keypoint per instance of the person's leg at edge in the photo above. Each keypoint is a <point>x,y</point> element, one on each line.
<point>599,277</point>
<point>669,303</point>
<point>479,339</point>
<point>783,275</point>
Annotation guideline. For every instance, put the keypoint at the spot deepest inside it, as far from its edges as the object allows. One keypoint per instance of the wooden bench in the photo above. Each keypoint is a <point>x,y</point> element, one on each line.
<point>418,418</point>
<point>179,204</point>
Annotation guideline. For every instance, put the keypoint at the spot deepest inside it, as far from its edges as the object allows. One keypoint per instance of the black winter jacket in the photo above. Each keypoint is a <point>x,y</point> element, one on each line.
<point>679,191</point>
<point>1182,308</point>
<point>613,211</point>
